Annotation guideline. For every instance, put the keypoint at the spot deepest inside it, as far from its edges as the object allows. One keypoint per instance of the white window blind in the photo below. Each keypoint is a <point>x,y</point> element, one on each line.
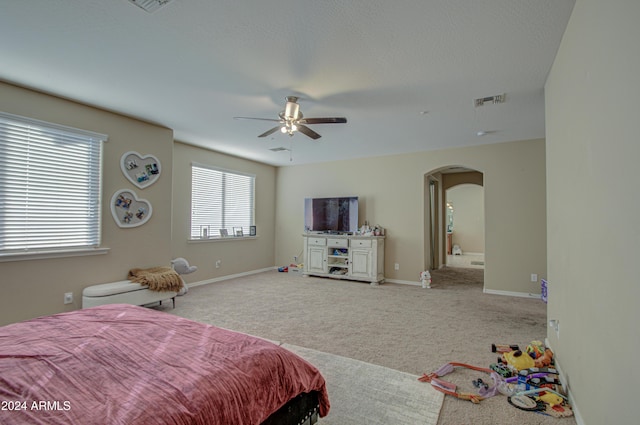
<point>220,199</point>
<point>50,177</point>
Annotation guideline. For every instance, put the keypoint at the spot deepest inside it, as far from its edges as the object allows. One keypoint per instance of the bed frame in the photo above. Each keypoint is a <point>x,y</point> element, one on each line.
<point>301,410</point>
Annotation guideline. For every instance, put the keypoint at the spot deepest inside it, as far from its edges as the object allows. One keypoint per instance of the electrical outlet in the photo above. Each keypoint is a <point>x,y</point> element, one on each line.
<point>218,263</point>
<point>534,277</point>
<point>68,297</point>
<point>396,266</point>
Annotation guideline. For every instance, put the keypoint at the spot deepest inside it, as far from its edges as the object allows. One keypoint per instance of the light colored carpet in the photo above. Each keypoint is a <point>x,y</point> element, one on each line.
<point>401,327</point>
<point>364,394</point>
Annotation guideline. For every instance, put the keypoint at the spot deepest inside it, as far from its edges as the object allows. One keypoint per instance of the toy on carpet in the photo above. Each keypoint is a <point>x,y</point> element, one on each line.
<point>543,400</point>
<point>501,369</point>
<point>425,277</point>
<point>485,391</point>
<point>181,266</point>
<point>518,360</point>
<point>545,360</point>
<point>535,349</point>
<point>503,348</point>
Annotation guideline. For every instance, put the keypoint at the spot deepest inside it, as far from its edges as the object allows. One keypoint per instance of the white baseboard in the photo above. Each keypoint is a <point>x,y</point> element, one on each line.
<point>486,291</point>
<point>511,294</point>
<point>563,381</point>
<point>404,282</point>
<point>231,276</point>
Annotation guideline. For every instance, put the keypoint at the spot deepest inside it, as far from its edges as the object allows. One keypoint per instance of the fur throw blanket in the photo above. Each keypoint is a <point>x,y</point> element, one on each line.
<point>157,278</point>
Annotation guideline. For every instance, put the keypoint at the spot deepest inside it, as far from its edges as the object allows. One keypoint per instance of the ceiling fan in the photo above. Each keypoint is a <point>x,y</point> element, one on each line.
<point>291,120</point>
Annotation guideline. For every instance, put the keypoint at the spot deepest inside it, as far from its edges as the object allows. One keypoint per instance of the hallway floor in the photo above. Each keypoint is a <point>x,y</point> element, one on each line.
<point>466,260</point>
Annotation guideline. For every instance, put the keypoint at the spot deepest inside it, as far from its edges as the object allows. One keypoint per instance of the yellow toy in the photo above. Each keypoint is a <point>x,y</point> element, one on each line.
<point>551,399</point>
<point>518,360</point>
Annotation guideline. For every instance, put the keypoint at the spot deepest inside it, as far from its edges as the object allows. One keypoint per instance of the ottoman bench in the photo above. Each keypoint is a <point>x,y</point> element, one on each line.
<point>124,292</point>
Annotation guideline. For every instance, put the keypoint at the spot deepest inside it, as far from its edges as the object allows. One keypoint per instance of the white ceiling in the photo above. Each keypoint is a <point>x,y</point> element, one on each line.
<point>404,73</point>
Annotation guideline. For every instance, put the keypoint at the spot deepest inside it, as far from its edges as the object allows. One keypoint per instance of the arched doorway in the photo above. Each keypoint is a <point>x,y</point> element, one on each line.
<point>436,216</point>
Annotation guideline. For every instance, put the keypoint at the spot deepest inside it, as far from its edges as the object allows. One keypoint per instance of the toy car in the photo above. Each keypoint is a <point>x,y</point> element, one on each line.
<point>501,370</point>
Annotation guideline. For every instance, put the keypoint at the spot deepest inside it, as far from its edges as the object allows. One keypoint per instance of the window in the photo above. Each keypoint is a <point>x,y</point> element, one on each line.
<point>50,177</point>
<point>220,200</point>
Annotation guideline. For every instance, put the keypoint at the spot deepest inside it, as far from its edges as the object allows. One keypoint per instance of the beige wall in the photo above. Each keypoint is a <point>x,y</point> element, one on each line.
<point>468,217</point>
<point>236,255</point>
<point>36,287</point>
<point>592,123</point>
<point>391,192</point>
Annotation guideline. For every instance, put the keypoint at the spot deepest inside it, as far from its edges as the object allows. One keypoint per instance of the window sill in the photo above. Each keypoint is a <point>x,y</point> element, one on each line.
<point>227,239</point>
<point>23,256</point>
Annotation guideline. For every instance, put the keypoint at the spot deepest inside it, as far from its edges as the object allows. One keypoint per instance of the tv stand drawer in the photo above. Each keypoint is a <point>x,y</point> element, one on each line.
<point>338,243</point>
<point>361,243</point>
<point>317,241</point>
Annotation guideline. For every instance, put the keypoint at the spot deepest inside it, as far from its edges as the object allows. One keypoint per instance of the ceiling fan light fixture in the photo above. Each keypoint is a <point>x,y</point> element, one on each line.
<point>291,120</point>
<point>291,110</point>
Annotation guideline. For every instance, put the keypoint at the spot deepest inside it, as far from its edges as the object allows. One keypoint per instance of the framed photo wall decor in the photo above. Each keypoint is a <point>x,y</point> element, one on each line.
<point>141,170</point>
<point>252,230</point>
<point>128,210</point>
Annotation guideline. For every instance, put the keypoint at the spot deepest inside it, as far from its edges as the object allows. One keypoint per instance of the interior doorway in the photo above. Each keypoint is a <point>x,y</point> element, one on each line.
<point>465,226</point>
<point>441,219</point>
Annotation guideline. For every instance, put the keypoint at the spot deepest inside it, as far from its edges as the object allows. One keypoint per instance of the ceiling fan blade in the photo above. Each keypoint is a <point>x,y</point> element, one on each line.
<point>261,119</point>
<point>308,132</point>
<point>268,132</point>
<point>333,120</point>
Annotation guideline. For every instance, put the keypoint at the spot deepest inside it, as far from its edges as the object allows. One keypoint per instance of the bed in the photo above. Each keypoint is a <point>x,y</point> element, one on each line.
<point>123,364</point>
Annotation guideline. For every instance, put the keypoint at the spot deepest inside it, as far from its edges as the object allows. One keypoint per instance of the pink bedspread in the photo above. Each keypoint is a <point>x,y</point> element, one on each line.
<point>121,364</point>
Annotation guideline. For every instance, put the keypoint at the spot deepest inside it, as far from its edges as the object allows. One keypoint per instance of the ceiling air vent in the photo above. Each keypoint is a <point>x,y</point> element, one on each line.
<point>150,5</point>
<point>499,98</point>
<point>280,149</point>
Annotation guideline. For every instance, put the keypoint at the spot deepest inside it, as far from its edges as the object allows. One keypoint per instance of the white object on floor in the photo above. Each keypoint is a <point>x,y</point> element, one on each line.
<point>425,277</point>
<point>123,292</point>
<point>456,250</point>
<point>181,266</point>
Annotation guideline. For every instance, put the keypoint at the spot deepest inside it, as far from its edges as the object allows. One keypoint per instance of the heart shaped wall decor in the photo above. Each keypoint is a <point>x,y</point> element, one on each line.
<point>128,210</point>
<point>141,170</point>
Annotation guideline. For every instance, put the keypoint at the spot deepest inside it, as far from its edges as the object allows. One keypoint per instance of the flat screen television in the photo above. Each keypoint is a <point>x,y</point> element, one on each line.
<point>331,215</point>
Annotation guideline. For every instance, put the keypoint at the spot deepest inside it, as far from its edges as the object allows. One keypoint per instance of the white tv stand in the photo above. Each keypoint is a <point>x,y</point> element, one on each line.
<point>344,257</point>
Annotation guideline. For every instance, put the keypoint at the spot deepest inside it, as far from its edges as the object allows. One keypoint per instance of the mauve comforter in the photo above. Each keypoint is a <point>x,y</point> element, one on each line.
<point>121,364</point>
